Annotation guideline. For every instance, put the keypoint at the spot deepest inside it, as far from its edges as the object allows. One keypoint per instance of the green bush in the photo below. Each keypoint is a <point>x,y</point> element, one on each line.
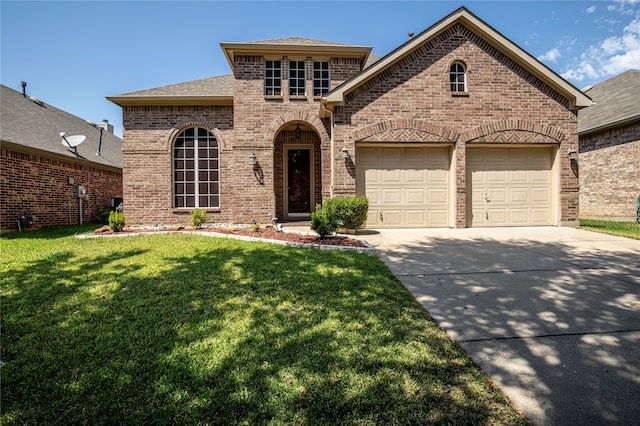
<point>350,212</point>
<point>116,221</point>
<point>323,221</point>
<point>198,217</point>
<point>102,216</point>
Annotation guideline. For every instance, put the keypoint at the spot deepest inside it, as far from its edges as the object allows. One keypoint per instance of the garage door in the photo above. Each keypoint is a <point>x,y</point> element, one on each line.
<point>407,187</point>
<point>509,186</point>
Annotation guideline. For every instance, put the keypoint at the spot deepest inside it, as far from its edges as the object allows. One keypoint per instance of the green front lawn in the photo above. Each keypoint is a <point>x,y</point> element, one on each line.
<point>621,229</point>
<point>187,329</point>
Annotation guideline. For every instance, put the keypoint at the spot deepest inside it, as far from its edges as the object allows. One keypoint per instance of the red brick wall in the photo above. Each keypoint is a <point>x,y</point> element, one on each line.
<point>252,124</point>
<point>503,100</point>
<point>610,173</point>
<point>502,97</point>
<point>149,132</point>
<point>39,184</point>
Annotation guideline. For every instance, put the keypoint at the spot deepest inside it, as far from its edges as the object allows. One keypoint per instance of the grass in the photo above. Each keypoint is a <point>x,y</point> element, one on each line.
<point>621,229</point>
<point>187,329</point>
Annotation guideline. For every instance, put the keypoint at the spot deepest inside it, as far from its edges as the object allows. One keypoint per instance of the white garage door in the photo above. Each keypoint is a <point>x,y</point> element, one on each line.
<point>509,186</point>
<point>407,187</point>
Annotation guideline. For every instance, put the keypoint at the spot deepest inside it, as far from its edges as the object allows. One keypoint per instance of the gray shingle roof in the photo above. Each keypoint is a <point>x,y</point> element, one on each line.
<point>221,85</point>
<point>38,126</point>
<point>616,102</point>
<point>372,59</point>
<point>300,41</point>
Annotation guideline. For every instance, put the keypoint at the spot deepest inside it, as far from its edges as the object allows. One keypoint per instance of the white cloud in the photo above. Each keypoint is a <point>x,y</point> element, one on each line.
<point>590,9</point>
<point>551,56</point>
<point>609,57</point>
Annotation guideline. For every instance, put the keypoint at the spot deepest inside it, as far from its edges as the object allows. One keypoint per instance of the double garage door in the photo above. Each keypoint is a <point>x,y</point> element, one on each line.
<point>410,187</point>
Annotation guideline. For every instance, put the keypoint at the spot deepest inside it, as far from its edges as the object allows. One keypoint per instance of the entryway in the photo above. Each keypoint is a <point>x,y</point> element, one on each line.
<point>299,184</point>
<point>297,173</point>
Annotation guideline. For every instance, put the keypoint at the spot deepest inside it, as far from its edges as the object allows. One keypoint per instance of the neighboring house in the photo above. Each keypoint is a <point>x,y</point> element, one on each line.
<point>609,161</point>
<point>457,127</point>
<point>41,176</point>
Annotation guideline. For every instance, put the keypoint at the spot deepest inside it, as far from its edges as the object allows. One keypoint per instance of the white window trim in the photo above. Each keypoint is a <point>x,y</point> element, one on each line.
<point>273,87</point>
<point>456,73</point>
<point>196,170</point>
<point>304,78</point>
<point>313,86</point>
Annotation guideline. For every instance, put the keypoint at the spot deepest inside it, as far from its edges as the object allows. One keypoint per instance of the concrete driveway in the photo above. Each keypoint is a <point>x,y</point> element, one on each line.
<point>552,315</point>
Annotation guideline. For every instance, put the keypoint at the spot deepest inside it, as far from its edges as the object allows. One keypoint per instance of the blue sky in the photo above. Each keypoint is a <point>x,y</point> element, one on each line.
<point>72,54</point>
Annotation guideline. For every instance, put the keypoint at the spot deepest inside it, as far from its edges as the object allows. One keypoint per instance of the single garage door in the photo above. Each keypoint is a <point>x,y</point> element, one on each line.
<point>407,187</point>
<point>509,186</point>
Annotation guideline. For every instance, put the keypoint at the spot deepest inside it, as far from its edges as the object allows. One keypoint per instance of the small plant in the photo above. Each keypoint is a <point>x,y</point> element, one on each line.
<point>350,212</point>
<point>116,221</point>
<point>198,218</point>
<point>102,216</point>
<point>255,227</point>
<point>323,221</point>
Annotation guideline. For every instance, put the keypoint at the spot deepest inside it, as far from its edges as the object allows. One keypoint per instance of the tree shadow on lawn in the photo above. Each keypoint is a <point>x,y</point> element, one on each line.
<point>227,332</point>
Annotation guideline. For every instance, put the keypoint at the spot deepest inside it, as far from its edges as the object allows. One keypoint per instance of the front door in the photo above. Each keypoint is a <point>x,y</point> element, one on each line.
<point>299,190</point>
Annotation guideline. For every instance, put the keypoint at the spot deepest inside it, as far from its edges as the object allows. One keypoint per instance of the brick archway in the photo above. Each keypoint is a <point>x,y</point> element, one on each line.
<point>272,129</point>
<point>193,123</point>
<point>514,131</point>
<point>404,130</point>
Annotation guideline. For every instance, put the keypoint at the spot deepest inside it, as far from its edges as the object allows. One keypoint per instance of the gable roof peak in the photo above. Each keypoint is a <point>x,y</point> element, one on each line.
<point>466,18</point>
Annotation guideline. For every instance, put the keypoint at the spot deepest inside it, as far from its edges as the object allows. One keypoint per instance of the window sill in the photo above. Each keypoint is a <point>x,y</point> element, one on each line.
<point>273,97</point>
<point>459,94</point>
<point>297,98</point>
<point>190,209</point>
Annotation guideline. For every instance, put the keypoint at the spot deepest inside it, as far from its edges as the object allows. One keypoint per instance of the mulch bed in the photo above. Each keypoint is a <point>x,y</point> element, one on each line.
<point>268,233</point>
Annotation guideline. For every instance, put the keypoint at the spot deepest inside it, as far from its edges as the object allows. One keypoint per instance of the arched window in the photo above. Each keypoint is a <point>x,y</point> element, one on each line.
<point>458,77</point>
<point>196,169</point>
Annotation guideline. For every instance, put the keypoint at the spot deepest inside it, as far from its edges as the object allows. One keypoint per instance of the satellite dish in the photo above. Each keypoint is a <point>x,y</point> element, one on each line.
<point>73,141</point>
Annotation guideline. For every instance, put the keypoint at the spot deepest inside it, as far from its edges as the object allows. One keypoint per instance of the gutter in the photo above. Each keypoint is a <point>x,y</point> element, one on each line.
<point>609,126</point>
<point>333,155</point>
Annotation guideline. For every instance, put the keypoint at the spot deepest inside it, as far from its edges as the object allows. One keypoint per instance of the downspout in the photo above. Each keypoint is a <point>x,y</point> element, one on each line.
<point>333,155</point>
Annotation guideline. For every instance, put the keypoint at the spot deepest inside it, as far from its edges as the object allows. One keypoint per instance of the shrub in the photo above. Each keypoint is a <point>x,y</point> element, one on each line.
<point>198,218</point>
<point>102,216</point>
<point>350,212</point>
<point>323,221</point>
<point>116,221</point>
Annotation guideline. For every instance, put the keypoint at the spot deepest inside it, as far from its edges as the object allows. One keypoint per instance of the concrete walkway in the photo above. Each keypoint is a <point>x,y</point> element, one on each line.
<point>552,315</point>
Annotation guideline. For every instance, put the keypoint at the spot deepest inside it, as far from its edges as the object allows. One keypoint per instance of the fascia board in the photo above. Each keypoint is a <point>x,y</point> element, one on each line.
<point>612,125</point>
<point>57,156</point>
<point>578,99</point>
<point>171,100</point>
<point>251,49</point>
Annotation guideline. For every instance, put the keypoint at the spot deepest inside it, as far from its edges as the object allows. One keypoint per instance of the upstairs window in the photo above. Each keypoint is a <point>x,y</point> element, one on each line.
<point>273,78</point>
<point>297,80</point>
<point>320,78</point>
<point>458,77</point>
<point>196,169</point>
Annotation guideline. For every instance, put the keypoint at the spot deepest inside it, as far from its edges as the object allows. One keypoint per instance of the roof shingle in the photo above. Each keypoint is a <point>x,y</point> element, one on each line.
<point>616,100</point>
<point>38,126</point>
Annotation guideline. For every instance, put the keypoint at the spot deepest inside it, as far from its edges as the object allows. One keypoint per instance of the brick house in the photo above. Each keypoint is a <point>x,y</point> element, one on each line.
<point>457,127</point>
<point>40,175</point>
<point>609,134</point>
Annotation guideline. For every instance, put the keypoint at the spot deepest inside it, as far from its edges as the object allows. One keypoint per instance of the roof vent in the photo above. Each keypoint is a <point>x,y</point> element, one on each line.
<point>36,100</point>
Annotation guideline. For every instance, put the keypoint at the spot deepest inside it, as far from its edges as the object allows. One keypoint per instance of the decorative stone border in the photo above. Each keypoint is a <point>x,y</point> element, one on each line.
<point>368,250</point>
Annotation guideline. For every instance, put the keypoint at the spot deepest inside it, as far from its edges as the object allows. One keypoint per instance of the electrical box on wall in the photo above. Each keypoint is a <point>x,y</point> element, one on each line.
<point>80,191</point>
<point>70,180</point>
